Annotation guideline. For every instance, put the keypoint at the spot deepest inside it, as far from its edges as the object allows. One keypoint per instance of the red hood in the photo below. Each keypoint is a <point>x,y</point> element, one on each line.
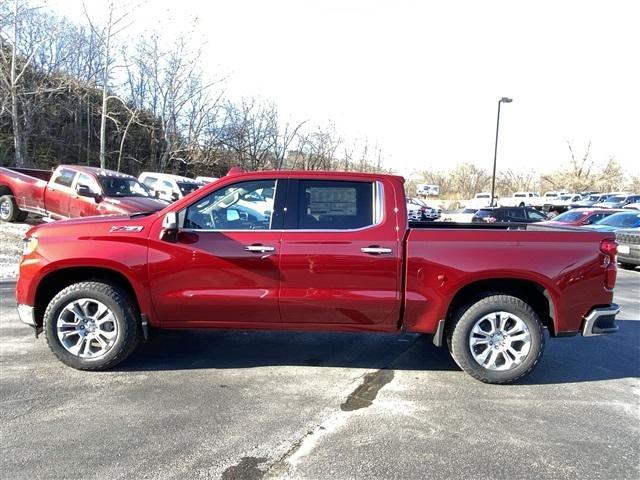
<point>130,205</point>
<point>96,225</point>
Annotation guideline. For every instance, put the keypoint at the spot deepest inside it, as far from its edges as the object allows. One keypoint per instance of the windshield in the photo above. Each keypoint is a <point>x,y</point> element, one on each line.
<point>518,195</point>
<point>622,219</point>
<point>566,197</point>
<point>594,198</point>
<point>616,198</point>
<point>570,216</point>
<point>482,195</point>
<point>187,188</point>
<point>469,210</point>
<point>122,187</point>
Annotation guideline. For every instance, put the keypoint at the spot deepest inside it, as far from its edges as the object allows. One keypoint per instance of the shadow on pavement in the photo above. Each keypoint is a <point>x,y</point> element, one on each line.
<point>566,360</point>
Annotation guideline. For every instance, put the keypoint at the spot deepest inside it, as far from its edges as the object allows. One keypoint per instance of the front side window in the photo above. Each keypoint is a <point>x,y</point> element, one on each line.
<point>64,177</point>
<point>240,206</point>
<point>335,205</point>
<point>535,215</point>
<point>87,181</point>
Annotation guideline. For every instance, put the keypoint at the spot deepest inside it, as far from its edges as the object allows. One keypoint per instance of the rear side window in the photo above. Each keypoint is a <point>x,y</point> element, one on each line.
<point>334,205</point>
<point>517,214</point>
<point>64,177</point>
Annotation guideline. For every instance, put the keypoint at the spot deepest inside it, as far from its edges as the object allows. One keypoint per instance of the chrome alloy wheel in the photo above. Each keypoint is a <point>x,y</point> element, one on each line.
<point>5,209</point>
<point>86,328</point>
<point>500,341</point>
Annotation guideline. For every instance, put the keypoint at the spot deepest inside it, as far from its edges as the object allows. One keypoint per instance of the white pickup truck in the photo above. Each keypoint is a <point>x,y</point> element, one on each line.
<point>520,199</point>
<point>480,200</point>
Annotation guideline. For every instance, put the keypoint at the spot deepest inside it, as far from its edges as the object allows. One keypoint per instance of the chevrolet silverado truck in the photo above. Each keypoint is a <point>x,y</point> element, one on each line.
<point>70,191</point>
<point>335,253</point>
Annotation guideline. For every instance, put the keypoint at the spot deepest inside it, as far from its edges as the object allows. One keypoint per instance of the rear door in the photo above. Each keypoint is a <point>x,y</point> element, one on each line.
<point>340,258</point>
<point>59,192</point>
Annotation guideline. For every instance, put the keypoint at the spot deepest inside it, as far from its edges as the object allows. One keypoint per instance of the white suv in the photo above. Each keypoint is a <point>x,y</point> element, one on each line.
<point>168,187</point>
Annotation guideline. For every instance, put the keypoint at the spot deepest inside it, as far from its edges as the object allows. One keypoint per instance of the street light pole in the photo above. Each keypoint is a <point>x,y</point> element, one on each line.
<point>495,152</point>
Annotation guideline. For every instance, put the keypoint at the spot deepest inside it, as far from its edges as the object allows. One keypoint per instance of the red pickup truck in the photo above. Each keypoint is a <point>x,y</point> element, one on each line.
<point>70,191</point>
<point>314,251</point>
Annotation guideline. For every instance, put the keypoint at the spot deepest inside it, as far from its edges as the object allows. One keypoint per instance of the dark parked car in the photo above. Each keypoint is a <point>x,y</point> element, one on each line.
<point>628,247</point>
<point>508,214</point>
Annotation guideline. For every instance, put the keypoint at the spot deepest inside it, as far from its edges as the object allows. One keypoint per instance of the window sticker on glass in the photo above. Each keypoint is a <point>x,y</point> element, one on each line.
<point>332,201</point>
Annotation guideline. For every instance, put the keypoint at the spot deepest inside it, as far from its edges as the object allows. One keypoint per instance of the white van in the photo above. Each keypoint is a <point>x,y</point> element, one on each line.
<point>168,187</point>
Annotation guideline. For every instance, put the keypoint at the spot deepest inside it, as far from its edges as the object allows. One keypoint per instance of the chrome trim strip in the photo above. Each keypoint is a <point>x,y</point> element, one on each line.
<point>375,250</point>
<point>378,219</point>
<point>591,319</point>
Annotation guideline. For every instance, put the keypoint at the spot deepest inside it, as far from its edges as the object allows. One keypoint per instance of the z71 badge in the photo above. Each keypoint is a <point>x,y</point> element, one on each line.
<point>126,228</point>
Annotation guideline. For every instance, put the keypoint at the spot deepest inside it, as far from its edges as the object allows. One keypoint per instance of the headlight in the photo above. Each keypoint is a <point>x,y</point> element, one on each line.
<point>29,245</point>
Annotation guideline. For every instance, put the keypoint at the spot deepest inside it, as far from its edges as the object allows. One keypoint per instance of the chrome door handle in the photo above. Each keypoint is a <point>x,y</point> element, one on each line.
<point>260,248</point>
<point>375,250</point>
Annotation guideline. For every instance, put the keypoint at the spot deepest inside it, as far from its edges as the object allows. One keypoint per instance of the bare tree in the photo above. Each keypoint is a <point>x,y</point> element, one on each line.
<point>115,24</point>
<point>17,54</point>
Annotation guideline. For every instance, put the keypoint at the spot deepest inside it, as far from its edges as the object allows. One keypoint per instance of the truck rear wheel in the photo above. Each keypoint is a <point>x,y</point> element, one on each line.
<point>9,211</point>
<point>92,325</point>
<point>498,339</point>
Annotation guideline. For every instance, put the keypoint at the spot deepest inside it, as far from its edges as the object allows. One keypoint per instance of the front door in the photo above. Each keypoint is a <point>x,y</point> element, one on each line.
<point>340,259</point>
<point>84,206</point>
<point>224,267</point>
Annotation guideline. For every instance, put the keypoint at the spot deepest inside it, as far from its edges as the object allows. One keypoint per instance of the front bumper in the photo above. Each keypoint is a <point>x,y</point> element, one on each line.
<point>26,315</point>
<point>601,321</point>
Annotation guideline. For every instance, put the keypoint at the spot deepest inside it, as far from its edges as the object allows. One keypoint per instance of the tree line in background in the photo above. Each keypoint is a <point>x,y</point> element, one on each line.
<point>83,93</point>
<point>581,173</point>
<point>78,93</point>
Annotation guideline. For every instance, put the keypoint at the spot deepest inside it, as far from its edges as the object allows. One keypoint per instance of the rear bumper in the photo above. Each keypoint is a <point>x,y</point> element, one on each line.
<point>601,321</point>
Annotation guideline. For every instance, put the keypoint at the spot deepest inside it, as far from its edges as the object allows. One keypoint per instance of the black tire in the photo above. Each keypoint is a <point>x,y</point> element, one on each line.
<point>627,266</point>
<point>9,211</point>
<point>458,337</point>
<point>124,311</point>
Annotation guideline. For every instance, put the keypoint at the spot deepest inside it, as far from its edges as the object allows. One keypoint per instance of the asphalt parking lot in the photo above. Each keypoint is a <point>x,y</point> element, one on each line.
<point>236,405</point>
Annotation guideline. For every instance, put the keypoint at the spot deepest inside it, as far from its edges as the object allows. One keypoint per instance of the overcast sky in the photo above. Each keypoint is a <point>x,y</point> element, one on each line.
<point>422,79</point>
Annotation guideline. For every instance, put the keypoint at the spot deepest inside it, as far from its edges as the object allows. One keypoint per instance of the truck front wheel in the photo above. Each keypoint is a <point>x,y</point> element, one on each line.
<point>92,325</point>
<point>498,339</point>
<point>9,211</point>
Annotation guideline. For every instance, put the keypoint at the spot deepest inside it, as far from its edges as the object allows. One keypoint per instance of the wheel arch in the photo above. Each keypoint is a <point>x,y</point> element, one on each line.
<point>56,280</point>
<point>535,294</point>
<point>5,190</point>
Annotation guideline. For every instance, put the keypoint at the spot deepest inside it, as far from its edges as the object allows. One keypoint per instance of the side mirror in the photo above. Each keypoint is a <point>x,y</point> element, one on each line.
<point>175,196</point>
<point>85,191</point>
<point>169,231</point>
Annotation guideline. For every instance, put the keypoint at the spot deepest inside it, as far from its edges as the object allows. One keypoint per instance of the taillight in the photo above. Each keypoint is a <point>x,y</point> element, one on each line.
<point>610,248</point>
